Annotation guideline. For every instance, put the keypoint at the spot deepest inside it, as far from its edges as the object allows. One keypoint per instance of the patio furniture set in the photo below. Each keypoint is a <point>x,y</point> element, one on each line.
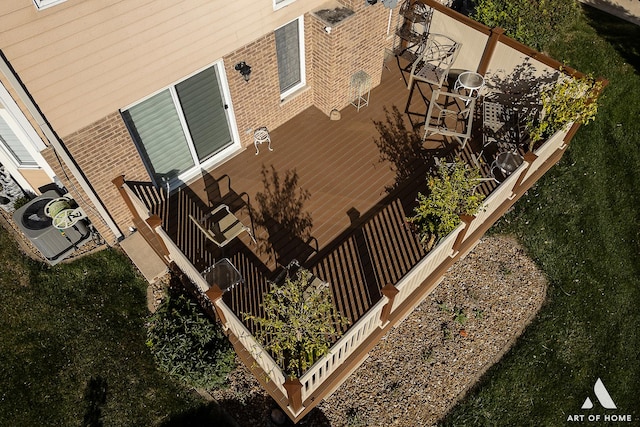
<point>451,113</point>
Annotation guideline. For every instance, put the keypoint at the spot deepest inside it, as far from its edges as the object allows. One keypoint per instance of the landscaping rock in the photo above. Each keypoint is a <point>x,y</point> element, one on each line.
<point>422,367</point>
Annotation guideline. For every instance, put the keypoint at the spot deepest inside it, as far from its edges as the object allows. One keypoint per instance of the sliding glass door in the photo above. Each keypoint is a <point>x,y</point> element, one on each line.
<point>181,127</point>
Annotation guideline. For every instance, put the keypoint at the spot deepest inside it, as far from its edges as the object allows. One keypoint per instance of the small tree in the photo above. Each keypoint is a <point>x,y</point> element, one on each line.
<point>568,100</point>
<point>451,193</point>
<point>188,345</point>
<point>299,322</point>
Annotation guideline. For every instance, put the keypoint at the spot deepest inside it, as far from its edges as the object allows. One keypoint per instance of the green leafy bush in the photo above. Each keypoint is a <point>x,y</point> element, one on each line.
<point>188,345</point>
<point>568,100</point>
<point>451,193</point>
<point>533,22</point>
<point>299,323</point>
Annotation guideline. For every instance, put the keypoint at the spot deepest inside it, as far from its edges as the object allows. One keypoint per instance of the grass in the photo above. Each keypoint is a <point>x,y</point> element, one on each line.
<point>581,225</point>
<point>73,352</point>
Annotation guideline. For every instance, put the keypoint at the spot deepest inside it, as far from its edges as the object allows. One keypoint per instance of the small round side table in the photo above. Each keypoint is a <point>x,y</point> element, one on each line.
<point>471,81</point>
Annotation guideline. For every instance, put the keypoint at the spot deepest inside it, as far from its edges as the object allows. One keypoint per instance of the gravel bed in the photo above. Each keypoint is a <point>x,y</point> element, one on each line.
<point>422,367</point>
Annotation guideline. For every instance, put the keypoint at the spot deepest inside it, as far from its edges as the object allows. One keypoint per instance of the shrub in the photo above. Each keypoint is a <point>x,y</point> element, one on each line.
<point>188,345</point>
<point>299,322</point>
<point>451,193</point>
<point>568,100</point>
<point>533,22</point>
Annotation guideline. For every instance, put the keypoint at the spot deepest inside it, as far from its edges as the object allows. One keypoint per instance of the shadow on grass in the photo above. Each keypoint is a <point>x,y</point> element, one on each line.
<point>621,34</point>
<point>258,409</point>
<point>207,415</point>
<point>95,395</point>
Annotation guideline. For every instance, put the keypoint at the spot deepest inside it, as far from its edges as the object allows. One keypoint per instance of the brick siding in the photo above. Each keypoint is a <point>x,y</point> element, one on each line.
<point>105,150</point>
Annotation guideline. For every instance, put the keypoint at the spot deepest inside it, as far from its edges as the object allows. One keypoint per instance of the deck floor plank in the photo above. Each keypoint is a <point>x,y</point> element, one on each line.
<point>358,210</point>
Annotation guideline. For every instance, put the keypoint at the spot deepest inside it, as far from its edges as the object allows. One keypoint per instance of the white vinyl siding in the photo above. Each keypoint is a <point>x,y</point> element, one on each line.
<point>290,55</point>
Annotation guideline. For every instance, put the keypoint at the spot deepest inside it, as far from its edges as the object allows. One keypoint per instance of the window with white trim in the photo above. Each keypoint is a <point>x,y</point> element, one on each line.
<point>278,4</point>
<point>43,4</point>
<point>290,55</point>
<point>13,142</point>
<point>179,128</point>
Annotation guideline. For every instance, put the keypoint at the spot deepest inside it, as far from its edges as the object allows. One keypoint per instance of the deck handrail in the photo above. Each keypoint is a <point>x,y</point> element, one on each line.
<point>141,209</point>
<point>180,259</point>
<point>258,353</point>
<point>342,349</point>
<point>555,142</point>
<point>414,277</point>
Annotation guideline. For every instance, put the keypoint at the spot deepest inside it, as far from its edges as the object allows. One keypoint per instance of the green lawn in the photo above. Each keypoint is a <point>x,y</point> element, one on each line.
<point>581,224</point>
<point>72,347</point>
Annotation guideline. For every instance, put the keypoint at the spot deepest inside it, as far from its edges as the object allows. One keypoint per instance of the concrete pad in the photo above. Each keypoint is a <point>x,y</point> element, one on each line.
<point>143,256</point>
<point>628,10</point>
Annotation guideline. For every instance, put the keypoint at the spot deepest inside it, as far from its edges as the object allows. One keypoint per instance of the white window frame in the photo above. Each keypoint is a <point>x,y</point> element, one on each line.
<point>43,4</point>
<point>303,71</point>
<point>17,131</point>
<point>217,158</point>
<point>280,4</point>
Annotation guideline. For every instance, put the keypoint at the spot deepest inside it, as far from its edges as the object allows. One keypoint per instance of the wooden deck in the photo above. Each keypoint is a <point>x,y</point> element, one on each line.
<point>360,241</point>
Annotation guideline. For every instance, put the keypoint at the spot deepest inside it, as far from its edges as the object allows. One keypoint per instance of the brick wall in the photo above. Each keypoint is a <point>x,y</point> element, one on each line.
<point>355,44</point>
<point>257,102</point>
<point>103,151</point>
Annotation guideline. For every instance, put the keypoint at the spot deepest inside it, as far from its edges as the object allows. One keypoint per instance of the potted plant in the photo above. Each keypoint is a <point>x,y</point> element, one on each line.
<point>568,100</point>
<point>452,192</point>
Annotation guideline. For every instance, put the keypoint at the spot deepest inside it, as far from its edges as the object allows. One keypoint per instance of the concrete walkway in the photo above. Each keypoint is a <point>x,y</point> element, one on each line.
<point>628,10</point>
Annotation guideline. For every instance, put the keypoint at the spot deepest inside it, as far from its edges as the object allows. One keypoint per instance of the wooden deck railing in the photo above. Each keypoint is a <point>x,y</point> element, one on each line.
<point>410,288</point>
<point>414,278</point>
<point>346,346</point>
<point>182,262</point>
<point>258,353</point>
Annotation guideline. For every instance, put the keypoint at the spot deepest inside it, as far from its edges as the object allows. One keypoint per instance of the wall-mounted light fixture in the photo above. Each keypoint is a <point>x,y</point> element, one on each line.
<point>244,69</point>
<point>327,29</point>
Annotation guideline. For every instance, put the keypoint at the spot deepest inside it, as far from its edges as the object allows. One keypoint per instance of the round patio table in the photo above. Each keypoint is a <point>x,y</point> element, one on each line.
<point>471,81</point>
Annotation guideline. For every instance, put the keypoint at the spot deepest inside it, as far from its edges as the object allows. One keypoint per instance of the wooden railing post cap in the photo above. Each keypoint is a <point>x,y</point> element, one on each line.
<point>389,290</point>
<point>530,156</point>
<point>214,293</point>
<point>467,218</point>
<point>118,181</point>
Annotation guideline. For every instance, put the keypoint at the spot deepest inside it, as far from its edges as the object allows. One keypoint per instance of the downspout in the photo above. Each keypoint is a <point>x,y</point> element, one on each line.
<point>56,143</point>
